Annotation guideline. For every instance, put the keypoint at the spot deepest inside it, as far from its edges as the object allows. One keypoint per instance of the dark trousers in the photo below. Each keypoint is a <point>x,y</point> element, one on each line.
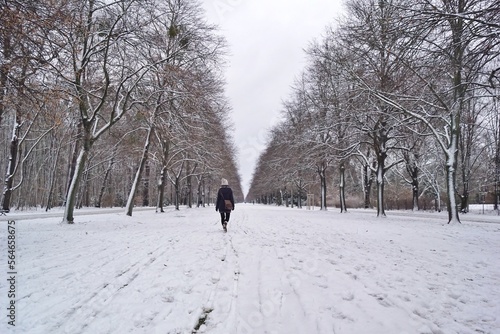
<point>224,216</point>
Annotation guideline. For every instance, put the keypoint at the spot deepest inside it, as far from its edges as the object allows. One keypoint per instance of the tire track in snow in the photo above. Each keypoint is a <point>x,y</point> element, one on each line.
<point>302,270</point>
<point>219,311</point>
<point>181,282</point>
<point>71,278</point>
<point>79,260</point>
<point>85,310</point>
<point>261,299</point>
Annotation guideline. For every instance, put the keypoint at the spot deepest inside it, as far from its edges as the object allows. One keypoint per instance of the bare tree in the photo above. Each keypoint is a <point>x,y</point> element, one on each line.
<point>447,34</point>
<point>20,88</point>
<point>372,37</point>
<point>190,46</point>
<point>98,60</point>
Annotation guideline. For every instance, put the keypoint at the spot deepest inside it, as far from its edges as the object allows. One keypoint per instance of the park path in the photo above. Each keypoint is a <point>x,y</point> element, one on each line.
<point>276,270</point>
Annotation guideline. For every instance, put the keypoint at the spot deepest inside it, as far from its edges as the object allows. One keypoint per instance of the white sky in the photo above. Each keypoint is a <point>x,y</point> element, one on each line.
<point>266,40</point>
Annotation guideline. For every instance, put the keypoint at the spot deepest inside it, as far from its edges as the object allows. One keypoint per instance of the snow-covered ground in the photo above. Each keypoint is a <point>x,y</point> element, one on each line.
<point>277,270</point>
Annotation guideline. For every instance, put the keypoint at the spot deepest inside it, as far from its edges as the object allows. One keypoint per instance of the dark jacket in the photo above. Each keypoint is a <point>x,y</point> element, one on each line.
<point>224,193</point>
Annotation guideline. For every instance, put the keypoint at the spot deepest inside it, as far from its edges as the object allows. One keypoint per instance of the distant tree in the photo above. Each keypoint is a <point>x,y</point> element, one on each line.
<point>337,94</point>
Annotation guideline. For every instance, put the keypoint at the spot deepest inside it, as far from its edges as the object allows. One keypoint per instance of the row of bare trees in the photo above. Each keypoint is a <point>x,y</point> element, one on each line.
<point>397,92</point>
<point>110,103</point>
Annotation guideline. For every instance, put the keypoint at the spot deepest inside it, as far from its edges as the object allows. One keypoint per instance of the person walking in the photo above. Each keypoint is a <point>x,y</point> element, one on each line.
<point>225,203</point>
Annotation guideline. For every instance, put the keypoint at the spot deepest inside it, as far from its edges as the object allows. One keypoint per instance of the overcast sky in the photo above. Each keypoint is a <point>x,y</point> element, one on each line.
<point>266,39</point>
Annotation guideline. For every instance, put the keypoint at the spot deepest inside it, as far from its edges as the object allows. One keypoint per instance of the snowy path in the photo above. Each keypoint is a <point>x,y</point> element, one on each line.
<point>277,270</point>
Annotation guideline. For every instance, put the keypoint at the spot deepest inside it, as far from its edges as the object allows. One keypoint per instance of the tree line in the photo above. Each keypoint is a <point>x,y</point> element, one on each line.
<point>399,96</point>
<point>115,103</point>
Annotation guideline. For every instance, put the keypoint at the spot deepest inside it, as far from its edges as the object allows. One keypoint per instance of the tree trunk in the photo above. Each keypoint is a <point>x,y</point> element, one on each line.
<point>380,145</point>
<point>84,199</point>
<point>145,189</point>
<point>11,166</point>
<point>177,193</point>
<point>459,90</point>
<point>466,139</point>
<point>142,163</point>
<point>209,192</point>
<point>299,195</point>
<point>105,180</point>
<point>343,207</point>
<point>204,194</point>
<point>464,198</point>
<point>172,194</point>
<point>52,180</point>
<point>412,170</point>
<point>199,194</point>
<point>367,184</point>
<point>73,187</point>
<point>451,165</point>
<point>414,189</point>
<point>450,190</point>
<point>380,188</point>
<point>165,145</point>
<point>161,189</point>
<point>451,169</point>
<point>322,178</point>
<point>74,156</point>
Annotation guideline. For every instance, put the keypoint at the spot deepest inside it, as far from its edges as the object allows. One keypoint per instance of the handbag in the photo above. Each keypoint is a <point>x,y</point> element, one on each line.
<point>227,203</point>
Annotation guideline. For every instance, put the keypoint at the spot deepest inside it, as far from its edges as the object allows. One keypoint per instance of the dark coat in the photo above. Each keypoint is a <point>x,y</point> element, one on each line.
<point>224,193</point>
